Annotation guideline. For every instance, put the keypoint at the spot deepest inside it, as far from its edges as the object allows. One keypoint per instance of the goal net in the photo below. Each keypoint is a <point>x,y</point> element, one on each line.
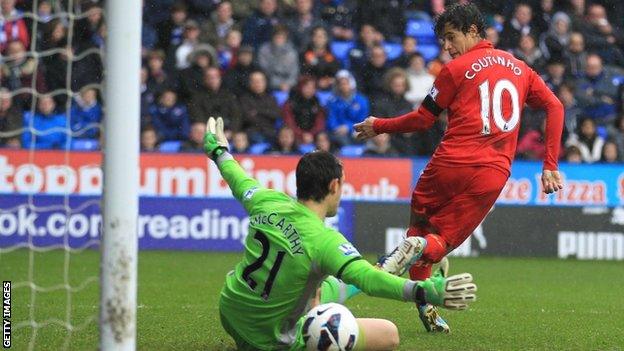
<point>63,288</point>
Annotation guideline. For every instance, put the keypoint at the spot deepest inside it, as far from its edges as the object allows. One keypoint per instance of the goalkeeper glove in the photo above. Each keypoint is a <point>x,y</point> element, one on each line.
<point>453,293</point>
<point>215,142</point>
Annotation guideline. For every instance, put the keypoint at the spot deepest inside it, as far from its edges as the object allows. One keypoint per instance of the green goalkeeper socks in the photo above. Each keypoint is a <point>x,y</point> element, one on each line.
<point>334,290</point>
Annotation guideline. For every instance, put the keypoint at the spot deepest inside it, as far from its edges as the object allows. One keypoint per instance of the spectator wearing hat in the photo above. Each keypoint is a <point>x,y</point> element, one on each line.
<point>345,108</point>
<point>190,40</point>
<point>279,60</point>
<point>556,39</point>
<point>190,80</point>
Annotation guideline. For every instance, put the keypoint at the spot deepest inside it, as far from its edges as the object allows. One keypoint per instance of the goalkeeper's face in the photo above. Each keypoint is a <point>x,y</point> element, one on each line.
<point>335,193</point>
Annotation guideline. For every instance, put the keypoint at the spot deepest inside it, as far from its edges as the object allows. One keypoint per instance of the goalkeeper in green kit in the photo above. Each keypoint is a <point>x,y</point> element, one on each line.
<point>292,261</point>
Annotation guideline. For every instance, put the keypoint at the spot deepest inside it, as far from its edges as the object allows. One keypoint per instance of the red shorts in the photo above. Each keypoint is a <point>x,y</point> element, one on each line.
<point>452,201</point>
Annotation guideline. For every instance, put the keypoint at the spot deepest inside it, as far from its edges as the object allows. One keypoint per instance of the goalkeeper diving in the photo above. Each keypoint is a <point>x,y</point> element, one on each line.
<point>292,261</point>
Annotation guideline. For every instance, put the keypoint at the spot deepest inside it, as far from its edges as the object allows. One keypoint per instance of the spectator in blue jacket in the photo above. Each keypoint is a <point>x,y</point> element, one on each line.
<point>86,114</point>
<point>345,108</point>
<point>259,26</point>
<point>170,119</point>
<point>42,121</point>
<point>597,92</point>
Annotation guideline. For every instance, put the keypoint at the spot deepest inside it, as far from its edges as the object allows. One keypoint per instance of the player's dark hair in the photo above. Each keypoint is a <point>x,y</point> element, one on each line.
<point>461,16</point>
<point>315,171</point>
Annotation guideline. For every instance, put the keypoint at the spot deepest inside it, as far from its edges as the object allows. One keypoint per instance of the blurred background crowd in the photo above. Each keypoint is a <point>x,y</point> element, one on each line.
<point>290,76</point>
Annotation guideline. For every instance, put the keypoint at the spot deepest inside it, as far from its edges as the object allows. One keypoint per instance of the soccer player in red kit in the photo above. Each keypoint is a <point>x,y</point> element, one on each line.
<point>483,90</point>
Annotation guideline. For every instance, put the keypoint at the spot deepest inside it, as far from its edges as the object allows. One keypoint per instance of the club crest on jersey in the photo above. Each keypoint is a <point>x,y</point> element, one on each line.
<point>433,92</point>
<point>348,250</point>
<point>249,193</point>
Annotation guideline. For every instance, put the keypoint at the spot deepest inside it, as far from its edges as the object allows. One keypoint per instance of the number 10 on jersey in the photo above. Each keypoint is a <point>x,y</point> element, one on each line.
<point>503,124</point>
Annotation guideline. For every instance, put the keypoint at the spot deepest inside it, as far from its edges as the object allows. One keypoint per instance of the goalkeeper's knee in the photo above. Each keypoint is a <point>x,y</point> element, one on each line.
<point>435,249</point>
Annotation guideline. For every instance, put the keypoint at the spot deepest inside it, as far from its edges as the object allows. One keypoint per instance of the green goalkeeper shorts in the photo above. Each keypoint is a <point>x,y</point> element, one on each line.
<point>244,345</point>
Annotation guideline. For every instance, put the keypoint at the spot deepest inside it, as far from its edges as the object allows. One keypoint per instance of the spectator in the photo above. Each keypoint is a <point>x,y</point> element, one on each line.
<point>12,26</point>
<point>573,154</point>
<point>517,26</point>
<point>409,48</point>
<point>600,36</point>
<point>259,26</point>
<point>597,92</point>
<point>221,22</point>
<point>575,56</point>
<point>491,34</point>
<point>279,60</point>
<point>318,60</point>
<point>420,81</point>
<point>323,142</point>
<point>56,63</point>
<point>531,144</point>
<point>544,16</point>
<point>228,51</point>
<point>370,79</point>
<point>149,139</point>
<point>554,42</point>
<point>610,153</point>
<point>571,109</point>
<point>190,40</point>
<point>147,98</point>
<point>530,53</point>
<point>380,146</point>
<point>170,118</point>
<point>435,65</point>
<point>302,111</point>
<point>170,32</point>
<point>360,53</point>
<point>386,16</point>
<point>240,143</point>
<point>555,73</point>
<point>195,141</point>
<point>86,29</point>
<point>260,110</point>
<point>338,15</point>
<point>587,141</point>
<point>19,70</point>
<point>616,134</point>
<point>158,78</point>
<point>302,23</point>
<point>190,80</point>
<point>214,101</point>
<point>236,79</point>
<point>43,120</point>
<point>345,108</point>
<point>10,120</point>
<point>285,144</point>
<point>86,114</point>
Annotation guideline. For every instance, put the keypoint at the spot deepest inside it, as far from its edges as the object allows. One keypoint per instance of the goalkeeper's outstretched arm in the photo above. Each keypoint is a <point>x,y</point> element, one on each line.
<point>216,147</point>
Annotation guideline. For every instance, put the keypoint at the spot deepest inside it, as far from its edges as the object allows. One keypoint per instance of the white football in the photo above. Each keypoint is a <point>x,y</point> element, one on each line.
<point>330,327</point>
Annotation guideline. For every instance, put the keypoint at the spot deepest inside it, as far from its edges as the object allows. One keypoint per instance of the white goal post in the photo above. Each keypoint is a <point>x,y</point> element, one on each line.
<point>118,266</point>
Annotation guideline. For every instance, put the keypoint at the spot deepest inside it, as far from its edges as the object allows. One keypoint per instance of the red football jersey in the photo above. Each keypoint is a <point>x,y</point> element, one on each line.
<point>484,91</point>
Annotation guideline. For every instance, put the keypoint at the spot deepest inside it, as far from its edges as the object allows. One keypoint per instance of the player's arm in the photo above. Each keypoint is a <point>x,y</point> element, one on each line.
<point>438,99</point>
<point>216,147</point>
<point>539,96</point>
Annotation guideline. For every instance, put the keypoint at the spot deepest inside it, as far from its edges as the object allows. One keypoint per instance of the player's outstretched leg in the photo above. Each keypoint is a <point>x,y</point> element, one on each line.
<point>428,313</point>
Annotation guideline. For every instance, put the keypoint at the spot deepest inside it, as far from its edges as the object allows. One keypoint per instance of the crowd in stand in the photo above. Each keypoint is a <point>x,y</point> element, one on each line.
<point>290,76</point>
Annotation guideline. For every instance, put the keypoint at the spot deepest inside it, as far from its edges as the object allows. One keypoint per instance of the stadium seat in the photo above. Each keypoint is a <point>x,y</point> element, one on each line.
<point>429,52</point>
<point>280,97</point>
<point>85,144</point>
<point>323,97</point>
<point>393,50</point>
<point>422,30</point>
<point>340,49</point>
<point>259,148</point>
<point>170,146</point>
<point>305,148</point>
<point>352,150</point>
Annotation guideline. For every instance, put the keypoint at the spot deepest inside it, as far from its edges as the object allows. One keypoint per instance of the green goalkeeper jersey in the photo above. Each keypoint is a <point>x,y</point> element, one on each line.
<point>288,253</point>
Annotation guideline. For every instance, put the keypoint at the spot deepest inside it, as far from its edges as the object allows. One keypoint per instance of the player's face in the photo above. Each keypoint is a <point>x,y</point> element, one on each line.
<point>457,42</point>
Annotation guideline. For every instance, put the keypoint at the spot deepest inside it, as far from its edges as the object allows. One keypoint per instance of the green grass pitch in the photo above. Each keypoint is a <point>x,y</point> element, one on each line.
<point>523,304</point>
